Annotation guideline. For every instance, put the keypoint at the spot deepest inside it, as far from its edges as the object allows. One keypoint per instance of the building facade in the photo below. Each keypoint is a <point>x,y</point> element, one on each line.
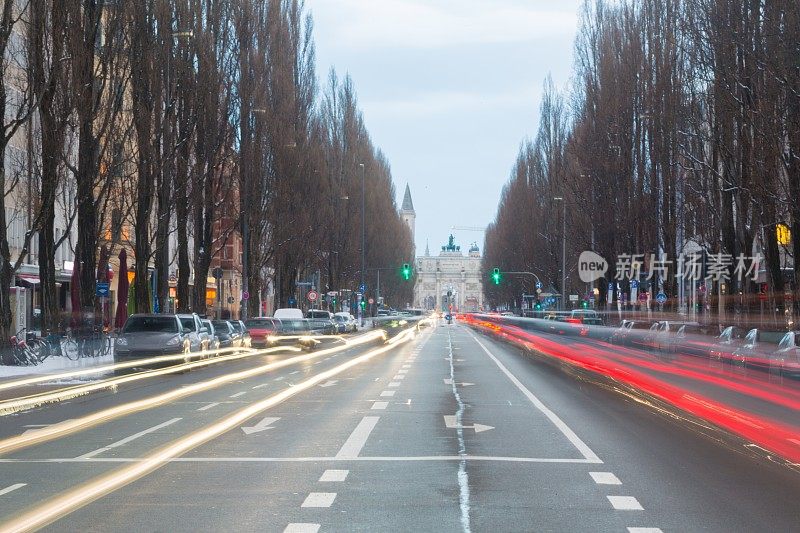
<point>450,281</point>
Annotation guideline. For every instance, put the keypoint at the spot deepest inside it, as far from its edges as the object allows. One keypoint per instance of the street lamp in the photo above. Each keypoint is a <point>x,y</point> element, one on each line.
<point>563,252</point>
<point>363,241</point>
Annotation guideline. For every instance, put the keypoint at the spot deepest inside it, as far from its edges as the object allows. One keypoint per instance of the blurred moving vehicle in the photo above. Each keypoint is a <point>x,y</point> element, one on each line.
<point>322,326</point>
<point>346,323</point>
<point>245,341</point>
<point>228,338</point>
<point>785,361</point>
<point>748,350</point>
<point>293,332</point>
<point>213,339</point>
<point>197,333</point>
<point>261,329</point>
<point>149,335</point>
<point>620,335</point>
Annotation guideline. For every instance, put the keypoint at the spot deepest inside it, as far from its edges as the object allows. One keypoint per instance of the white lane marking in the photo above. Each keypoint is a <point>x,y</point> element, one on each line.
<point>334,475</point>
<point>644,530</point>
<point>358,438</point>
<point>406,366</point>
<point>12,488</point>
<point>280,378</point>
<point>261,386</point>
<point>445,458</point>
<point>128,439</point>
<point>388,393</point>
<point>605,478</point>
<point>300,527</point>
<point>399,377</point>
<point>329,383</point>
<point>237,394</point>
<point>564,428</point>
<point>625,503</point>
<point>209,406</point>
<point>319,499</point>
<point>394,384</point>
<point>463,477</point>
<point>402,371</point>
<point>297,371</point>
<point>380,405</point>
<point>262,425</point>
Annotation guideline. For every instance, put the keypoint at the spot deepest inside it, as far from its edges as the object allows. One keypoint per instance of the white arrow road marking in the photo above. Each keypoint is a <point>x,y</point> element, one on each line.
<point>450,422</point>
<point>329,383</point>
<point>261,426</point>
<point>448,381</point>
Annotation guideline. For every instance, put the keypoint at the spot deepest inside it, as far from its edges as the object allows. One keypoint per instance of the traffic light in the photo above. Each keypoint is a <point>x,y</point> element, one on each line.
<point>406,271</point>
<point>363,304</point>
<point>496,276</point>
<point>538,306</point>
<point>585,304</point>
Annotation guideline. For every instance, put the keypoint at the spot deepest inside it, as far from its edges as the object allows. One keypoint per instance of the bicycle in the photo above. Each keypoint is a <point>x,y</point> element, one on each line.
<point>23,352</point>
<point>96,344</point>
<point>54,344</point>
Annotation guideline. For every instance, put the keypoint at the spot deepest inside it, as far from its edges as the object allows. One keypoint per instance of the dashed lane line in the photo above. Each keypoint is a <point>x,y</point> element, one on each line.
<point>388,393</point>
<point>399,377</point>
<point>625,503</point>
<point>605,478</point>
<point>11,488</point>
<point>298,527</point>
<point>394,384</point>
<point>413,458</point>
<point>237,394</point>
<point>209,406</point>
<point>334,475</point>
<point>319,499</point>
<point>380,405</point>
<point>358,438</point>
<point>128,439</point>
<point>644,530</point>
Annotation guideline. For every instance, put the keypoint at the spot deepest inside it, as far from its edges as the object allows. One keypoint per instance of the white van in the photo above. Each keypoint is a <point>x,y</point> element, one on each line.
<point>290,313</point>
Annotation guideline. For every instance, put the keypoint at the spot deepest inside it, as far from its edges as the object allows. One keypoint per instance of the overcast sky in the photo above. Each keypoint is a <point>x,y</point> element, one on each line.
<point>449,89</point>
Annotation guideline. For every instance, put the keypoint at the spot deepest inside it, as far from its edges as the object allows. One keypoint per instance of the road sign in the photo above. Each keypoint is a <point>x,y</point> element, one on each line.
<point>634,284</point>
<point>101,289</point>
<point>573,297</point>
<point>245,295</point>
<point>362,288</point>
<point>661,297</point>
<point>312,296</point>
<point>217,273</point>
<point>292,301</point>
<point>371,301</point>
<point>538,285</point>
<point>333,293</point>
<point>643,296</point>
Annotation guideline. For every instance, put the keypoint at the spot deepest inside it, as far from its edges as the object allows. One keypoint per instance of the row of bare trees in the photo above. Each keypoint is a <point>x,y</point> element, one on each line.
<point>150,122</point>
<point>681,133</point>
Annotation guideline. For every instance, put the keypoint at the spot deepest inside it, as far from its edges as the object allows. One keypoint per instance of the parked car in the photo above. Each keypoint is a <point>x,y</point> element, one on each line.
<point>213,339</point>
<point>725,344</point>
<point>228,338</point>
<point>621,334</point>
<point>261,329</point>
<point>322,326</point>
<point>198,334</point>
<point>150,335</point>
<point>245,340</point>
<point>347,322</point>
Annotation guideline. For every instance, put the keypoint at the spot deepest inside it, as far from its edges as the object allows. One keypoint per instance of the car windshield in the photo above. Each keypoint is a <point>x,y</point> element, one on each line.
<point>258,324</point>
<point>152,324</point>
<point>188,323</point>
<point>221,326</point>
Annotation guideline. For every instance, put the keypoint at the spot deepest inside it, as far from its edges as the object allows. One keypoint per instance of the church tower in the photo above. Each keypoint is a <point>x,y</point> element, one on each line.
<point>408,214</point>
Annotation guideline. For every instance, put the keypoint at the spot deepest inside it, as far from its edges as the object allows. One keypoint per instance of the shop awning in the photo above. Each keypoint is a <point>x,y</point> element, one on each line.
<point>30,279</point>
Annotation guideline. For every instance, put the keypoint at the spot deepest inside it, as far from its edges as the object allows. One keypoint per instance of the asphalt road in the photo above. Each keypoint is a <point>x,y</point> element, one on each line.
<point>451,431</point>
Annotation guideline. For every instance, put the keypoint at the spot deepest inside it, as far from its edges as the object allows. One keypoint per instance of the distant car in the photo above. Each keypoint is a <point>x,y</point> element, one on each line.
<point>725,344</point>
<point>749,352</point>
<point>347,321</point>
<point>261,329</point>
<point>785,361</point>
<point>150,335</point>
<point>213,342</point>
<point>319,313</point>
<point>622,333</point>
<point>288,313</point>
<point>227,336</point>
<point>245,340</point>
<point>198,335</point>
<point>294,332</point>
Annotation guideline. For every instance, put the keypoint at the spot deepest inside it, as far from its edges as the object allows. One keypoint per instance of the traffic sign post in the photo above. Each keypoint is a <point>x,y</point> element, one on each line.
<point>312,296</point>
<point>245,295</point>
<point>661,298</point>
<point>101,289</point>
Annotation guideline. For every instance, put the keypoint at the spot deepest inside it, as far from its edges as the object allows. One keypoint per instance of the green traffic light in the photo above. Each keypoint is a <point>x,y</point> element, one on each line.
<point>406,271</point>
<point>496,276</point>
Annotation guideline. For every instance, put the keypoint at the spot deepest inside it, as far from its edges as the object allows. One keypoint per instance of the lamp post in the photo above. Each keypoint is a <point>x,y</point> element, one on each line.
<point>363,242</point>
<point>563,252</point>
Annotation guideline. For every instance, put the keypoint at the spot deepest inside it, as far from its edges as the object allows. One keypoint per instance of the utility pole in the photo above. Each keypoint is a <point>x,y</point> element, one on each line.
<point>363,243</point>
<point>563,252</point>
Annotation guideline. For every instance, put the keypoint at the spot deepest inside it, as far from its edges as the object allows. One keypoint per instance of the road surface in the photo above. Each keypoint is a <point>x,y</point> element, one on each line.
<point>452,431</point>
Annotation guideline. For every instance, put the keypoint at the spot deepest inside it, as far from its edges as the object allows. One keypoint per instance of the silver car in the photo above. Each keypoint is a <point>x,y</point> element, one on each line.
<point>150,335</point>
